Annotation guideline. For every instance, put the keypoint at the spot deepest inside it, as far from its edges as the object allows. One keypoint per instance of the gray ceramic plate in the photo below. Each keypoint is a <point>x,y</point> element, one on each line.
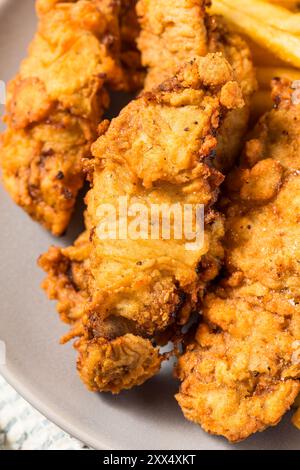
<point>44,372</point>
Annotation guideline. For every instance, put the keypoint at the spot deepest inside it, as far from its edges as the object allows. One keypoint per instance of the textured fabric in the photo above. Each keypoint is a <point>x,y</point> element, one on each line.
<point>24,428</point>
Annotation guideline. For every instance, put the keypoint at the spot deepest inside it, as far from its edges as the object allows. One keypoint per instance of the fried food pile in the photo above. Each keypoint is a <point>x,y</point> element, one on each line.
<point>242,371</point>
<point>179,142</point>
<point>133,294</point>
<point>56,102</point>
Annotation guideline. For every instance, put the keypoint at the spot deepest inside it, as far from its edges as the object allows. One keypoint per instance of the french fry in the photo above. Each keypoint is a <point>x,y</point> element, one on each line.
<point>266,74</point>
<point>263,57</point>
<point>273,15</point>
<point>290,4</point>
<point>282,44</point>
<point>260,104</point>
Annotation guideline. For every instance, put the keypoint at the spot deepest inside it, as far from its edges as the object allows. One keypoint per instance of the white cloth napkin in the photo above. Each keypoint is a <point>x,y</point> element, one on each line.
<point>24,428</point>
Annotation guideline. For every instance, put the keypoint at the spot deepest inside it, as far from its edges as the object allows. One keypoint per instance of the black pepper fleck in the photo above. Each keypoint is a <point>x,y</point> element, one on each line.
<point>60,175</point>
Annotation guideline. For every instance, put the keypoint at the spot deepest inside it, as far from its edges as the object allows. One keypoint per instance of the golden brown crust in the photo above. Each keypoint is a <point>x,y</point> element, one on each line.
<point>146,287</point>
<point>67,281</point>
<point>171,32</point>
<point>120,364</point>
<point>242,372</point>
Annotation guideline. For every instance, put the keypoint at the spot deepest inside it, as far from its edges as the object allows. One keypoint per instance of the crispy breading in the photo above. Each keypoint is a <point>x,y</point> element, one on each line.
<point>55,104</point>
<point>117,364</point>
<point>242,372</point>
<point>157,151</point>
<point>130,58</point>
<point>68,273</point>
<point>44,6</point>
<point>174,30</point>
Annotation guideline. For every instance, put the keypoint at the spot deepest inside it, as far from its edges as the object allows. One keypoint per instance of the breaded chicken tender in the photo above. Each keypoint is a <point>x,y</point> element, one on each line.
<point>242,372</point>
<point>123,296</point>
<point>55,104</point>
<point>174,30</point>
